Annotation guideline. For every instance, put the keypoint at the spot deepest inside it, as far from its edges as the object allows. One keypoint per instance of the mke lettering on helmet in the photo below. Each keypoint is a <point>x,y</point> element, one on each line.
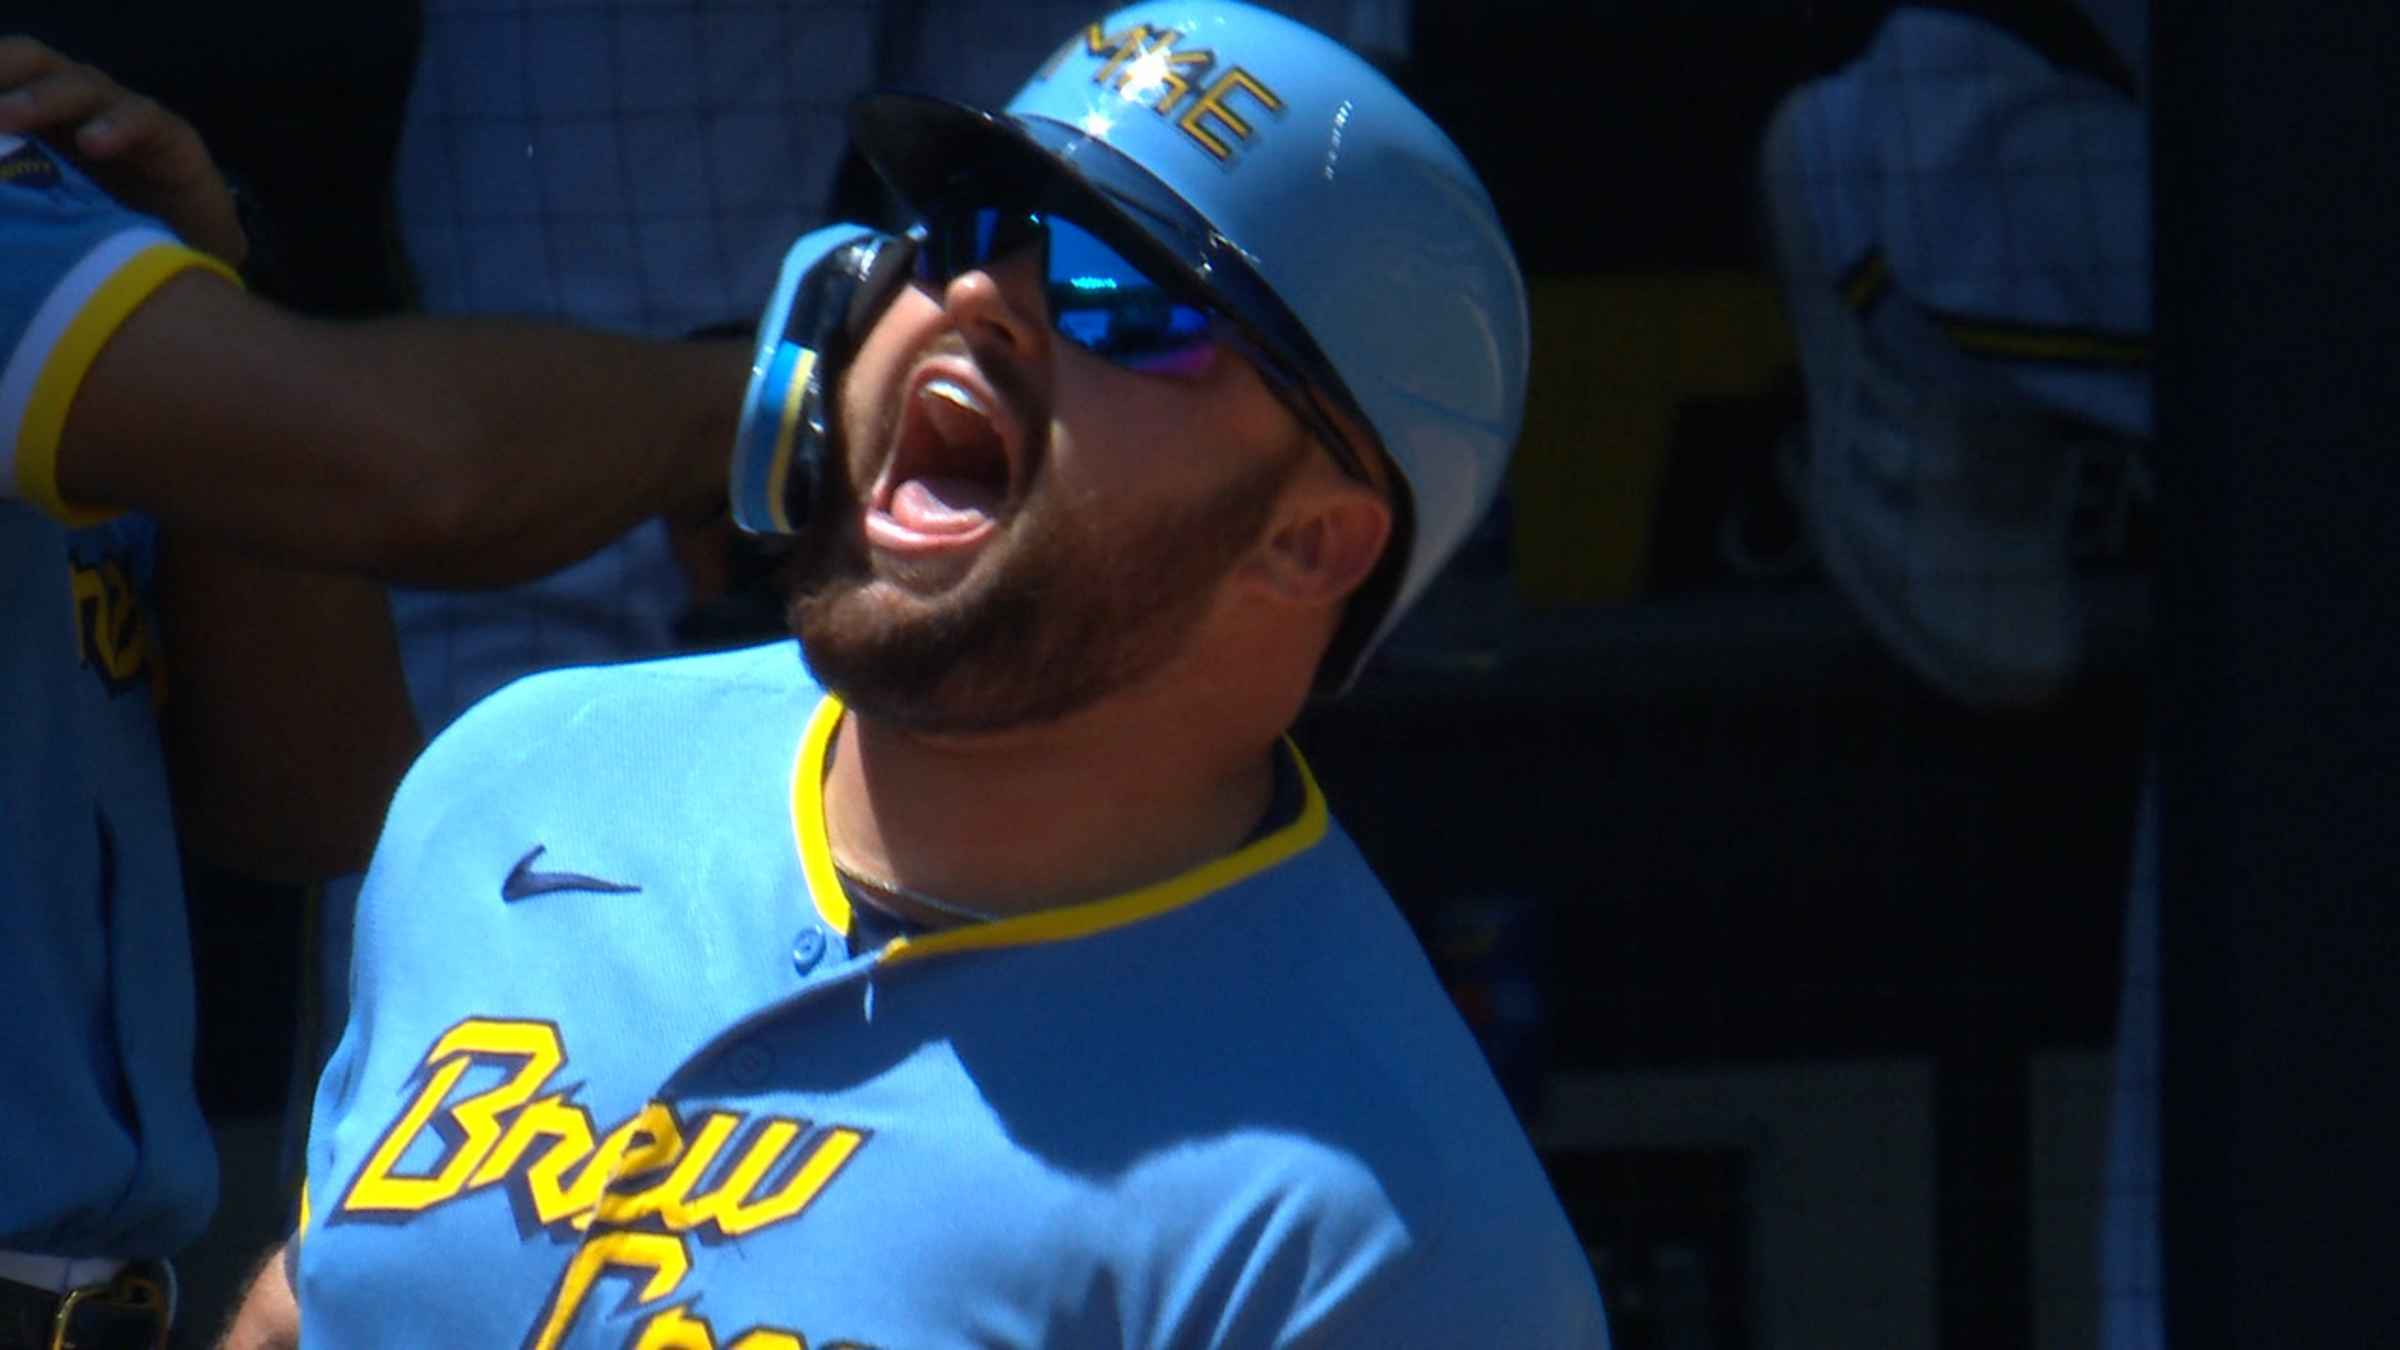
<point>1142,64</point>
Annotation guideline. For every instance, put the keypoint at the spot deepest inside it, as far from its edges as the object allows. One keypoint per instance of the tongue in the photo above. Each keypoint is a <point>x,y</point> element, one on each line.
<point>944,505</point>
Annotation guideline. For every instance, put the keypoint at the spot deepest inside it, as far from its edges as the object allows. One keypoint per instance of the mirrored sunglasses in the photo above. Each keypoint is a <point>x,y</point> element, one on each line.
<point>1098,299</point>
<point>1106,304</point>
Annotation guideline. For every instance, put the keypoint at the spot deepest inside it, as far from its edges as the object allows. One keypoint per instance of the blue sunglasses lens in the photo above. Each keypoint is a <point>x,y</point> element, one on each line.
<point>1098,299</point>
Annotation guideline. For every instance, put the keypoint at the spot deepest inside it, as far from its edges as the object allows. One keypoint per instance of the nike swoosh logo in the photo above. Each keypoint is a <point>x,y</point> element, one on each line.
<point>523,881</point>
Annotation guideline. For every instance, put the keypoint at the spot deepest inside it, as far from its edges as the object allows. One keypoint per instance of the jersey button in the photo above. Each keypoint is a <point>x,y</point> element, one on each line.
<point>808,949</point>
<point>748,1065</point>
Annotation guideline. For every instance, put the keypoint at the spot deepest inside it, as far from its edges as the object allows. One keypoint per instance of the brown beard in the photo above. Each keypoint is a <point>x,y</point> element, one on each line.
<point>1076,610</point>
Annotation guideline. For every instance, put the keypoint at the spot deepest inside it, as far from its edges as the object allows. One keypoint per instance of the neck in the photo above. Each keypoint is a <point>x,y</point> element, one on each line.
<point>1096,804</point>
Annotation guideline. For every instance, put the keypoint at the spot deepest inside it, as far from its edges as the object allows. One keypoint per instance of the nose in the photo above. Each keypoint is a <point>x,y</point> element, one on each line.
<point>999,306</point>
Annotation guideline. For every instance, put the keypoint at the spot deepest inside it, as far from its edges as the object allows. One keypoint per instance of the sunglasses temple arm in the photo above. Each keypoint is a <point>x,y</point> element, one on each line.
<point>1304,400</point>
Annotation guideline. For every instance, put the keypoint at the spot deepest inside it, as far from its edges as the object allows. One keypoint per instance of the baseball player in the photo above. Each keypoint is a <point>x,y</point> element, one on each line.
<point>160,432</point>
<point>986,970</point>
<point>535,177</point>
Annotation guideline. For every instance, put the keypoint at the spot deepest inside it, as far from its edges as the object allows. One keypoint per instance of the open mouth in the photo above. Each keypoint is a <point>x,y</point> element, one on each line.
<point>951,470</point>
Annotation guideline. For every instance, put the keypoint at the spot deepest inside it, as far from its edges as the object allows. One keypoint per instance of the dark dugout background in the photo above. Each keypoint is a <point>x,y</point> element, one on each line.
<point>1674,790</point>
<point>2279,312</point>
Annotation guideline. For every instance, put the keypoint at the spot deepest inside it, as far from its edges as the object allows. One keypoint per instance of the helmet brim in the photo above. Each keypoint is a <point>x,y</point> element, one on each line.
<point>937,154</point>
<point>932,149</point>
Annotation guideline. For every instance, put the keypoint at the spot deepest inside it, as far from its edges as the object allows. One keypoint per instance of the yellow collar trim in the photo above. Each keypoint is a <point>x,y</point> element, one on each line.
<point>1049,925</point>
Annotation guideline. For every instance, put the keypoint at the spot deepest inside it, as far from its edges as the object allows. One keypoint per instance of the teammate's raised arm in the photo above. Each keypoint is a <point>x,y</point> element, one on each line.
<point>435,451</point>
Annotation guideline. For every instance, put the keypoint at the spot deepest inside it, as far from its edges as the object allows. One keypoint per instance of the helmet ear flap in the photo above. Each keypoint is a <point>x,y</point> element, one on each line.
<point>834,285</point>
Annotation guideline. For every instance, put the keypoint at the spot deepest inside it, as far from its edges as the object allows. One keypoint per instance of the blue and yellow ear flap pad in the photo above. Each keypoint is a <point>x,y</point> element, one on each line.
<point>835,281</point>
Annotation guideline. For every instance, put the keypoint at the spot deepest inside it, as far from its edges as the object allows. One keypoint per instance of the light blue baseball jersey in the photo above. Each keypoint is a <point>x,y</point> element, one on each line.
<point>102,1148</point>
<point>657,1100</point>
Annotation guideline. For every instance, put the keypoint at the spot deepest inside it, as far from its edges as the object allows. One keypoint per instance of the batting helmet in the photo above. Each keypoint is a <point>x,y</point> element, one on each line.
<point>1286,179</point>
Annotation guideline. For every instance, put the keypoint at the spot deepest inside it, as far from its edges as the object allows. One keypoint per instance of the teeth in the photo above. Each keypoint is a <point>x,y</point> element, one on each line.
<point>951,391</point>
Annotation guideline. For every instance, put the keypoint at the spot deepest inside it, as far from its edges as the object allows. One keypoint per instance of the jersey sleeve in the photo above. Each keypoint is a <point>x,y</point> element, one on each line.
<point>79,264</point>
<point>1485,1276</point>
<point>1275,1238</point>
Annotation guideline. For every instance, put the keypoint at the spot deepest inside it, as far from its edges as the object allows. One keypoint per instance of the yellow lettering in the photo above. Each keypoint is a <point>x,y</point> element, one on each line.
<point>91,607</point>
<point>675,1329</point>
<point>376,1189</point>
<point>659,1259</point>
<point>731,1206</point>
<point>645,1143</point>
<point>670,1199</point>
<point>121,638</point>
<point>108,621</point>
<point>1128,44</point>
<point>110,633</point>
<point>644,1171</point>
<point>473,1125</point>
<point>1142,58</point>
<point>569,1127</point>
<point>1160,67</point>
<point>1213,104</point>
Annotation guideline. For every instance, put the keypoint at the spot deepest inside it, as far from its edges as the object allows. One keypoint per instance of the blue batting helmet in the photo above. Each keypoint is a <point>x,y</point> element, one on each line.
<point>1288,180</point>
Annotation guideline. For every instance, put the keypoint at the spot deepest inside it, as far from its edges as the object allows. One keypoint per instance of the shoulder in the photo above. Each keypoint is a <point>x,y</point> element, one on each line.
<point>743,680</point>
<point>67,241</point>
<point>1355,1176</point>
<point>630,770</point>
<point>1404,1180</point>
<point>1489,1253</point>
<point>592,726</point>
<point>1275,1237</point>
<point>44,200</point>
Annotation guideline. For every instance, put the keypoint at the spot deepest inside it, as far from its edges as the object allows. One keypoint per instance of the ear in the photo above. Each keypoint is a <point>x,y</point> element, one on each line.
<point>1324,543</point>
